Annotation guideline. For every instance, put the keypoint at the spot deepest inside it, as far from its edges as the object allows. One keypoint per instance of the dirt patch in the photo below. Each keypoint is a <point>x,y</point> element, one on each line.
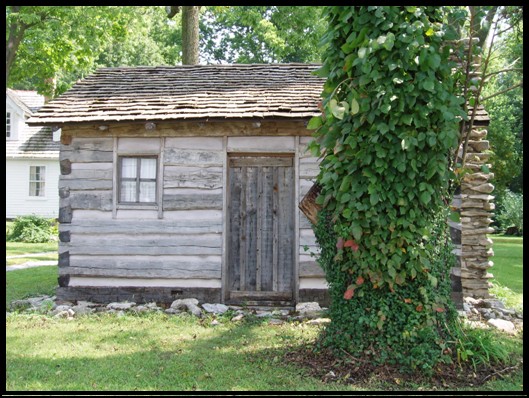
<point>345,369</point>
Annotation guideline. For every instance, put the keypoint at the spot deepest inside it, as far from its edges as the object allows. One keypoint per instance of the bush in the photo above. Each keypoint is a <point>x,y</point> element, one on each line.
<point>510,216</point>
<point>33,229</point>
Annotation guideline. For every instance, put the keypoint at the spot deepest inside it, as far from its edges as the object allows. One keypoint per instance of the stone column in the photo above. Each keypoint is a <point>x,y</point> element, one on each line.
<point>476,212</point>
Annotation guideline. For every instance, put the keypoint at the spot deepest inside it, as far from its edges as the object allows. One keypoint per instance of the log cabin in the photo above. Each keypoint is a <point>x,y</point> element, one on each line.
<point>184,181</point>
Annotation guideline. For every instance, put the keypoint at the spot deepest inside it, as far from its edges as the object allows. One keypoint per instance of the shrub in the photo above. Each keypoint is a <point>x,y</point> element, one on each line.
<point>510,216</point>
<point>33,229</point>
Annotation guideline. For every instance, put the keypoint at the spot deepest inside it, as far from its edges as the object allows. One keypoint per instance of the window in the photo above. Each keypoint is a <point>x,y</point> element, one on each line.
<point>37,182</point>
<point>137,180</point>
<point>8,124</point>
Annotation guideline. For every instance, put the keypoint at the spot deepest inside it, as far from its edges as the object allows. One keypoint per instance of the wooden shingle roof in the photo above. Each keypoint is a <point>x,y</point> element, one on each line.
<point>188,92</point>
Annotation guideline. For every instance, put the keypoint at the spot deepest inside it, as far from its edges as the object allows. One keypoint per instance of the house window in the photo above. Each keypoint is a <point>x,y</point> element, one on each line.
<point>137,180</point>
<point>8,124</point>
<point>37,182</point>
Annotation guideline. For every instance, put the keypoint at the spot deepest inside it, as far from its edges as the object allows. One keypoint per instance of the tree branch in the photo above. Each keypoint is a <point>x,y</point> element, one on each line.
<point>502,91</point>
<point>503,70</point>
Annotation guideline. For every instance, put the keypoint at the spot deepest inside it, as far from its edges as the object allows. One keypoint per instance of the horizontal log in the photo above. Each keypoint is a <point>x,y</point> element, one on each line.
<point>176,156</point>
<point>115,250</point>
<point>202,128</point>
<point>151,240</point>
<point>260,144</point>
<point>145,146</point>
<point>103,173</point>
<point>86,156</point>
<point>205,267</point>
<point>92,200</point>
<point>143,273</point>
<point>193,177</point>
<point>192,202</point>
<point>91,144</point>
<point>141,227</point>
<point>197,143</point>
<point>85,184</point>
<point>310,269</point>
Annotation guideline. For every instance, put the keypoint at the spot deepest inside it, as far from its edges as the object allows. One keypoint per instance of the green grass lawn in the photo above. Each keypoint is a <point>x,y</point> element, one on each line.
<point>508,270</point>
<point>16,248</point>
<point>156,352</point>
<point>30,282</point>
<point>19,248</point>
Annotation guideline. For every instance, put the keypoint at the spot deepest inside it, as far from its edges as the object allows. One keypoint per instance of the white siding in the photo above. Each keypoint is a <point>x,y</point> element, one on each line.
<point>18,201</point>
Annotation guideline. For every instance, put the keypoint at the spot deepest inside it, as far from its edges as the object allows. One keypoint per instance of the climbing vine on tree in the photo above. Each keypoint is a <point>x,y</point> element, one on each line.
<point>389,122</point>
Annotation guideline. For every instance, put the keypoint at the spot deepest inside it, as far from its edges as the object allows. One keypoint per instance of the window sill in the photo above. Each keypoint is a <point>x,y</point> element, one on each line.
<point>137,207</point>
<point>37,198</point>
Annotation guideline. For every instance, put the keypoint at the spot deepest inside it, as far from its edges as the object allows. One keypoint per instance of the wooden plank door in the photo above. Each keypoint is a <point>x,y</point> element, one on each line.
<point>261,229</point>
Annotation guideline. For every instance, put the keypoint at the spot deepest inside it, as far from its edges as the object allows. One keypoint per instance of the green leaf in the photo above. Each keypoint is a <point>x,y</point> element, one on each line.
<point>356,231</point>
<point>425,197</point>
<point>355,107</point>
<point>314,123</point>
<point>385,108</point>
<point>338,109</point>
<point>428,85</point>
<point>346,197</point>
<point>383,128</point>
<point>433,280</point>
<point>406,119</point>
<point>346,184</point>
<point>373,199</point>
<point>389,42</point>
<point>434,60</point>
<point>454,216</point>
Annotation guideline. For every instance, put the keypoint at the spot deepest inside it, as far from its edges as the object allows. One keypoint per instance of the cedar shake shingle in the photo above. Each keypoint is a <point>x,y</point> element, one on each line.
<point>188,92</point>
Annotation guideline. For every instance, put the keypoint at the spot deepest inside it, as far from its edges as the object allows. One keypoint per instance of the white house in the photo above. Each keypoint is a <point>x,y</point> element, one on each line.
<point>32,159</point>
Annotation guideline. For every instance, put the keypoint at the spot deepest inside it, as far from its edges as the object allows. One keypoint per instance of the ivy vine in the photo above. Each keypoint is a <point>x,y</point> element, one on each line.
<point>389,122</point>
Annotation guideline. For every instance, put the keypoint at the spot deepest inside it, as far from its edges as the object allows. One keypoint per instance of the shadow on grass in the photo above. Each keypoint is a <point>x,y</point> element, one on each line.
<point>229,357</point>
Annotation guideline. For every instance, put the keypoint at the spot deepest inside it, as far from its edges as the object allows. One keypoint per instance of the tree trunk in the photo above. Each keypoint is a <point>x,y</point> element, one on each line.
<point>16,33</point>
<point>190,16</point>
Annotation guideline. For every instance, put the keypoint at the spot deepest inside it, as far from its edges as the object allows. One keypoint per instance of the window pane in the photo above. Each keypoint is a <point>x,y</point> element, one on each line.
<point>8,124</point>
<point>128,167</point>
<point>128,191</point>
<point>37,176</point>
<point>148,168</point>
<point>36,189</point>
<point>148,191</point>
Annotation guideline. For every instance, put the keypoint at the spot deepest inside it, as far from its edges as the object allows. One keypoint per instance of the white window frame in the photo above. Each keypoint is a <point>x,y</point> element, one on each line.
<point>40,182</point>
<point>138,180</point>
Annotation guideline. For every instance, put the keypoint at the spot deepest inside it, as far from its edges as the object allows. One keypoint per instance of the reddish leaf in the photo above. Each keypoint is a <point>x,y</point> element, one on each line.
<point>339,244</point>
<point>349,293</point>
<point>419,308</point>
<point>440,309</point>
<point>407,300</point>
<point>352,244</point>
<point>359,280</point>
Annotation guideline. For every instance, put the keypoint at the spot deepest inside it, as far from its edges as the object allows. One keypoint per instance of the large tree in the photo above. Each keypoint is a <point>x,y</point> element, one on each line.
<point>42,42</point>
<point>260,34</point>
<point>190,32</point>
<point>389,123</point>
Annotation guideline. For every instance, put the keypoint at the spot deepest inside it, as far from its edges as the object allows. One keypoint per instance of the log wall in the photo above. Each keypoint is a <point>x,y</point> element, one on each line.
<point>177,242</point>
